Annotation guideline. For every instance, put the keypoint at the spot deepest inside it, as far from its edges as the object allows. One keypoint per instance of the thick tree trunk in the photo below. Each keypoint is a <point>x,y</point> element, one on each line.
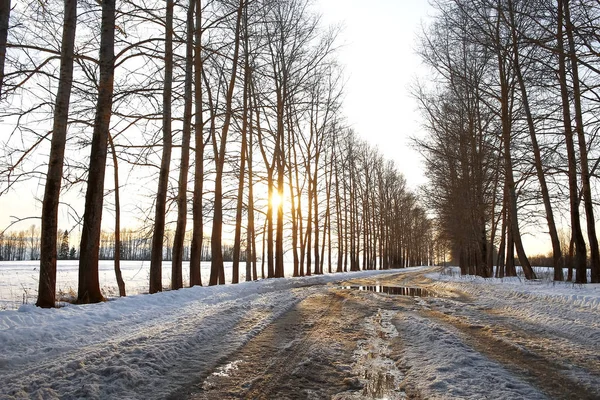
<point>580,247</point>
<point>217,269</point>
<point>510,182</point>
<point>583,156</point>
<point>556,251</point>
<point>156,256</point>
<point>89,285</point>
<point>47,281</point>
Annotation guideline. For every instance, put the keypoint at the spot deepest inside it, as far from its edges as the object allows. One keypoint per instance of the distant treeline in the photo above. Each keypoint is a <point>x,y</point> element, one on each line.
<point>24,245</point>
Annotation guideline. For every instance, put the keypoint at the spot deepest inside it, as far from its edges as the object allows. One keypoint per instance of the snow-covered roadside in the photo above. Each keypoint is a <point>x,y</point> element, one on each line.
<point>442,366</point>
<point>568,293</point>
<point>563,309</point>
<point>506,339</point>
<point>143,346</point>
<point>554,324</point>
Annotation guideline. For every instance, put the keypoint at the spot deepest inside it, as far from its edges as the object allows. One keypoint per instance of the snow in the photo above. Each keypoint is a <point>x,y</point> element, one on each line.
<point>560,319</point>
<point>520,290</point>
<point>140,346</point>
<point>448,368</point>
<point>154,346</point>
<point>19,279</point>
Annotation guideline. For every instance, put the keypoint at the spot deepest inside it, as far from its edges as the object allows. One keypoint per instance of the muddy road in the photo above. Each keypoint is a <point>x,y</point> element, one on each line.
<point>355,341</point>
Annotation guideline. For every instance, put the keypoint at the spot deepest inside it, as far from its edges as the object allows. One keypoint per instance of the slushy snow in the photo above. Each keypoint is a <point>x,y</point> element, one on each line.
<point>155,346</point>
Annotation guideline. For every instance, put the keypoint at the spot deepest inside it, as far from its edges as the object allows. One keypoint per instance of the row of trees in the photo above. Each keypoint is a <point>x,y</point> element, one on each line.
<point>20,245</point>
<point>134,246</point>
<point>225,111</point>
<point>512,121</point>
<point>26,245</point>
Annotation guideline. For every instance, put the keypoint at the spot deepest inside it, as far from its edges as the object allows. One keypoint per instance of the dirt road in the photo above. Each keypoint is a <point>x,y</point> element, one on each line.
<point>344,343</point>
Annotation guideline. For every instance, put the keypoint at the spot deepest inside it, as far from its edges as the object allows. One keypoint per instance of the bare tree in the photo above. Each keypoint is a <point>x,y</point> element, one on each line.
<point>176,274</point>
<point>117,256</point>
<point>89,285</point>
<point>583,152</point>
<point>216,272</point>
<point>4,18</point>
<point>47,280</point>
<point>163,178</point>
<point>198,227</point>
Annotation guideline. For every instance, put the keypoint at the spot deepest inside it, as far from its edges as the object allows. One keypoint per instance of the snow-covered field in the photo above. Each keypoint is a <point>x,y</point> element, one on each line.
<point>481,338</point>
<point>19,279</point>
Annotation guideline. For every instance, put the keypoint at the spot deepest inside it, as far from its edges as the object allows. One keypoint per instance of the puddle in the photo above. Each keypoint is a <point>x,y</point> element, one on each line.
<point>394,290</point>
<point>227,369</point>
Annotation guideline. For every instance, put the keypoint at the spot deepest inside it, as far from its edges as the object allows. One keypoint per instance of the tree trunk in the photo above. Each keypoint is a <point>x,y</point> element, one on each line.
<point>89,285</point>
<point>163,177</point>
<point>309,222</point>
<point>510,182</point>
<point>117,255</point>
<point>217,269</point>
<point>47,280</point>
<point>178,241</point>
<point>280,157</point>
<point>580,247</point>
<point>294,208</point>
<point>4,18</point>
<point>583,156</point>
<point>556,250</point>
<point>240,194</point>
<point>198,224</point>
<point>250,231</point>
<point>316,214</point>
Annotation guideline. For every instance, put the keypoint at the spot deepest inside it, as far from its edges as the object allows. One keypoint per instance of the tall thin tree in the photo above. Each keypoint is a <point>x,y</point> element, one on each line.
<point>47,281</point>
<point>163,177</point>
<point>89,285</point>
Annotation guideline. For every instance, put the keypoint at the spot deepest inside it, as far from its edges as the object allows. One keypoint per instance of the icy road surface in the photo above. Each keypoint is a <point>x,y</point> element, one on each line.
<point>313,338</point>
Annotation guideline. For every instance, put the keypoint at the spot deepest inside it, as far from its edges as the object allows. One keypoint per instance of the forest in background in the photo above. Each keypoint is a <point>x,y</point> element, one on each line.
<point>512,123</point>
<point>221,117</point>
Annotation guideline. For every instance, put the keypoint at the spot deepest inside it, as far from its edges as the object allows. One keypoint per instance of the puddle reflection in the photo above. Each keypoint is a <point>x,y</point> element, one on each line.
<point>394,290</point>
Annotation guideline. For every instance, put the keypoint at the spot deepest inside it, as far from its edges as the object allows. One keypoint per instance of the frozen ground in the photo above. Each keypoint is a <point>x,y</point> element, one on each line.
<point>313,338</point>
<point>19,279</point>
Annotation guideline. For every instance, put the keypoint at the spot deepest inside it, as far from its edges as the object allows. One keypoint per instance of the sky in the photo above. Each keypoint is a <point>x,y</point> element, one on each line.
<point>378,41</point>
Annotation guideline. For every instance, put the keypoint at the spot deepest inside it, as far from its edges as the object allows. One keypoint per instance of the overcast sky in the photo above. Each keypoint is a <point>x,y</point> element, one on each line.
<point>378,54</point>
<point>380,39</point>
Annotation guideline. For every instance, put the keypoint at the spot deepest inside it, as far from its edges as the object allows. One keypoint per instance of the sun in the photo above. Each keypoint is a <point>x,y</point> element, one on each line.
<point>276,200</point>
